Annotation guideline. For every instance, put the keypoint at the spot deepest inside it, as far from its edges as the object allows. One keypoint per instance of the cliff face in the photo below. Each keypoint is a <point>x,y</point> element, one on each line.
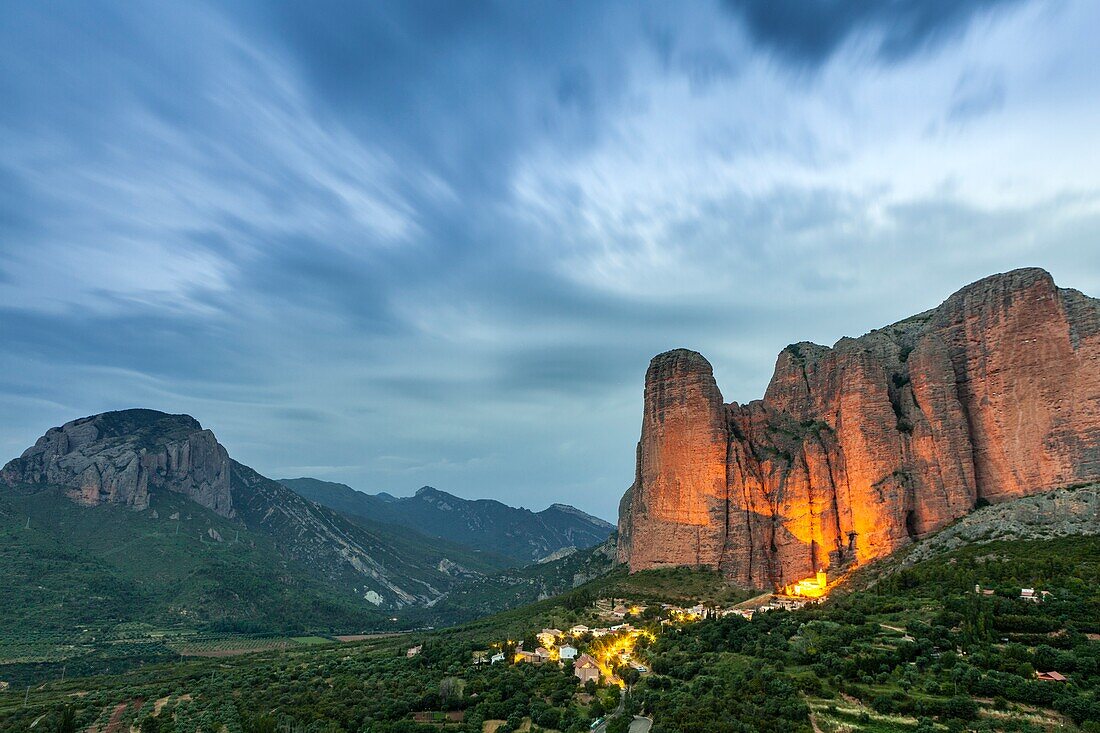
<point>857,449</point>
<point>117,457</point>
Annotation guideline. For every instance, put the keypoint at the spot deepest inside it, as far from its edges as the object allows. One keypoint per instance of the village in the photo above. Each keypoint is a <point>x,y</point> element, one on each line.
<point>614,654</point>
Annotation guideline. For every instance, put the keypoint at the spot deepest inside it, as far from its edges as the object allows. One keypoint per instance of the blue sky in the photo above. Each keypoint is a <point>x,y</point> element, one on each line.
<point>396,244</point>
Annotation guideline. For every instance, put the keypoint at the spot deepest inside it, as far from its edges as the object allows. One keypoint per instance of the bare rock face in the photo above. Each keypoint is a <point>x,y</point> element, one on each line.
<point>858,449</point>
<point>1056,513</point>
<point>682,469</point>
<point>119,457</point>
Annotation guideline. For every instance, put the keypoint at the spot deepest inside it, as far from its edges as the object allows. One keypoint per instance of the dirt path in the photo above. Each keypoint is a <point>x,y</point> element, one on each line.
<point>756,601</point>
<point>813,718</point>
<point>116,716</point>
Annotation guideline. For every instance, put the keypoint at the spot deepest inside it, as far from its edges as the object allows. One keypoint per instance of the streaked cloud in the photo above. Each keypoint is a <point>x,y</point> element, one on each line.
<point>398,244</point>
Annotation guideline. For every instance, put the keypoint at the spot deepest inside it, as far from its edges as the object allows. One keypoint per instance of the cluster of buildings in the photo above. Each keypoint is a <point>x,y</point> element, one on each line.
<point>601,657</point>
<point>564,647</point>
<point>747,610</point>
<point>1026,594</point>
<point>580,630</point>
<point>618,608</point>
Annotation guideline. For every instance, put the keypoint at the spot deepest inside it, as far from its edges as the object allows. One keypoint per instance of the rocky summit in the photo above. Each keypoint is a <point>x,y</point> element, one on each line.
<point>141,459</point>
<point>117,456</point>
<point>858,449</point>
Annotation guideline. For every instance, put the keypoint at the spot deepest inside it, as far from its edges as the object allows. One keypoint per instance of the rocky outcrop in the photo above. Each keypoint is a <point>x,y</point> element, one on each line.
<point>856,450</point>
<point>119,457</point>
<point>681,466</point>
<point>1056,513</point>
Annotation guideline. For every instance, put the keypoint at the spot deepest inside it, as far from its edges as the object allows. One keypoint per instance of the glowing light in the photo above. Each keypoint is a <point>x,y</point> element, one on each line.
<point>816,587</point>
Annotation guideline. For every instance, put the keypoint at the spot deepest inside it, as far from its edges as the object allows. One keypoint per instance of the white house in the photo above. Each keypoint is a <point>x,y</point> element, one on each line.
<point>567,652</point>
<point>498,657</point>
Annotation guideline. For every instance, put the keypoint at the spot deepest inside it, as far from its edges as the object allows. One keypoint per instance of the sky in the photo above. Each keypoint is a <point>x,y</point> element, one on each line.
<point>394,244</point>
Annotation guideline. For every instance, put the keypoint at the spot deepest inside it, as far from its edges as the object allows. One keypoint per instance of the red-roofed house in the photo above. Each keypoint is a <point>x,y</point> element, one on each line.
<point>585,668</point>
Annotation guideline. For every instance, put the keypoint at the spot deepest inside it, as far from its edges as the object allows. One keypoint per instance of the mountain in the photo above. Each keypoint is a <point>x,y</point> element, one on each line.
<point>139,489</point>
<point>516,587</point>
<point>521,535</point>
<point>858,449</point>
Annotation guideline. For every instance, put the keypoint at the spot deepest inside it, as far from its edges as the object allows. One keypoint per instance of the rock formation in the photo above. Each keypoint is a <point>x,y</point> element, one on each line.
<point>140,459</point>
<point>1056,513</point>
<point>117,457</point>
<point>858,449</point>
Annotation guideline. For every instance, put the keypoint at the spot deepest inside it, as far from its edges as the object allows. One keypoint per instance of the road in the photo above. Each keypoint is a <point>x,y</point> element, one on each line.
<point>638,725</point>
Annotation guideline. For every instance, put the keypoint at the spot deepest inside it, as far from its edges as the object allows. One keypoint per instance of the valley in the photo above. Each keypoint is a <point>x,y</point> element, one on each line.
<point>895,648</point>
<point>834,558</point>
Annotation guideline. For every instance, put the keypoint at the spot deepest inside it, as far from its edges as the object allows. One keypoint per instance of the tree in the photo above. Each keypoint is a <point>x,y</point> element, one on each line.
<point>450,690</point>
<point>66,720</point>
<point>260,724</point>
<point>619,724</point>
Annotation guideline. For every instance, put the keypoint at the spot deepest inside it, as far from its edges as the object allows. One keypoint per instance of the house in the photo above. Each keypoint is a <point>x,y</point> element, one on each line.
<point>619,611</point>
<point>542,654</point>
<point>567,652</point>
<point>548,637</point>
<point>983,591</point>
<point>528,657</point>
<point>498,657</point>
<point>1030,595</point>
<point>413,651</point>
<point>1050,676</point>
<point>480,656</point>
<point>585,668</point>
<point>579,629</point>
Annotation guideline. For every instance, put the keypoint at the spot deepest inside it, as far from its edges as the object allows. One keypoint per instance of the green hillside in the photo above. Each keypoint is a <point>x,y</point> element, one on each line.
<point>897,650</point>
<point>101,588</point>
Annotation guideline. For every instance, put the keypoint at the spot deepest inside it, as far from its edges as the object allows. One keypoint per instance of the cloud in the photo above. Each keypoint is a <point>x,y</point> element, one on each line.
<point>807,34</point>
<point>409,243</point>
<point>977,93</point>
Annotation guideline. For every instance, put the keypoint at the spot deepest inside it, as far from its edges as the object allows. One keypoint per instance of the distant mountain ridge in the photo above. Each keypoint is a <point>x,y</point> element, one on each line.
<point>485,524</point>
<point>143,460</point>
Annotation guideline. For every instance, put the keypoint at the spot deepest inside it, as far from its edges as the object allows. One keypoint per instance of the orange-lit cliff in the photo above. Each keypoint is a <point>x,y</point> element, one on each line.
<point>856,449</point>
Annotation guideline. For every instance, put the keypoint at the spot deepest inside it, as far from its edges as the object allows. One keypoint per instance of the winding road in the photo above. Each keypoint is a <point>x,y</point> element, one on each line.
<point>638,725</point>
